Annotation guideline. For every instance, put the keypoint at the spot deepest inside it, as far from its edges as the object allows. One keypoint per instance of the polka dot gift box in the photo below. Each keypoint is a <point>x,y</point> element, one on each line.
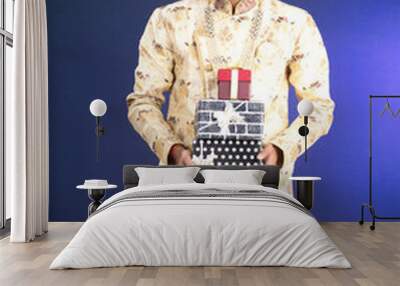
<point>221,152</point>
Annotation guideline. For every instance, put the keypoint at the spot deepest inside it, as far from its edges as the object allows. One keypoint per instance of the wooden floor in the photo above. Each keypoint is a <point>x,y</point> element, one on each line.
<point>375,257</point>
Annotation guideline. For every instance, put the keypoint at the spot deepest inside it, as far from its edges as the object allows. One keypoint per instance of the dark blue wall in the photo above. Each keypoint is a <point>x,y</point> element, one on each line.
<point>93,53</point>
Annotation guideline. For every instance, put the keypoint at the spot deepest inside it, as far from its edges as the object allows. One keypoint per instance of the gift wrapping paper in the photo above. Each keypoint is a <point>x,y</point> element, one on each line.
<point>225,119</point>
<point>230,152</point>
<point>234,84</point>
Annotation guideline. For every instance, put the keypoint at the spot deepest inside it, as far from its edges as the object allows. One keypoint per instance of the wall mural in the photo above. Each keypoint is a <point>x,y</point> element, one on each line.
<point>274,45</point>
<point>224,93</point>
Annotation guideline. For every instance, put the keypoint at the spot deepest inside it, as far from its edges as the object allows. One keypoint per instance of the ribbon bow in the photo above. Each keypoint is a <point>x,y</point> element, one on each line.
<point>227,117</point>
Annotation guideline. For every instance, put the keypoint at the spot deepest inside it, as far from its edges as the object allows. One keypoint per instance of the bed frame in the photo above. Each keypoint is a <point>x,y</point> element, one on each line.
<point>271,177</point>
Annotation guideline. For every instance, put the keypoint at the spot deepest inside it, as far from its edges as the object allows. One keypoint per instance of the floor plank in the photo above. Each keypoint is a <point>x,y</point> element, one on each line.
<point>375,257</point>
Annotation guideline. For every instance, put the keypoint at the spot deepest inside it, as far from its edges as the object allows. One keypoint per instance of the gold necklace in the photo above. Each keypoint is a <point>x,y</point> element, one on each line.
<point>246,55</point>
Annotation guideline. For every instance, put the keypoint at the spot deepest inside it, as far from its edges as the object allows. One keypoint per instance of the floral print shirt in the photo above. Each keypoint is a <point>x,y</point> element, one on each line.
<point>175,57</point>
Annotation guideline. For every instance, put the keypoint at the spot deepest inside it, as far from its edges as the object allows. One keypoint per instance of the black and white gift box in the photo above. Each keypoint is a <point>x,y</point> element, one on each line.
<point>226,152</point>
<point>229,119</point>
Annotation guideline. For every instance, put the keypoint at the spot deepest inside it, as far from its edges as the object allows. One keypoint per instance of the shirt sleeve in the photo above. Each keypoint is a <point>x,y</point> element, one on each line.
<point>309,75</point>
<point>153,76</point>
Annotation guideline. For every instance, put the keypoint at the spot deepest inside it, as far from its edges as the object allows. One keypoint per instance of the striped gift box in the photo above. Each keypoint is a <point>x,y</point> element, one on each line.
<point>230,119</point>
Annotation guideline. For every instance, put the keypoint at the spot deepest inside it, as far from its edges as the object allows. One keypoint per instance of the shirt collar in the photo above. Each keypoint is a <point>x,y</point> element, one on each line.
<point>242,7</point>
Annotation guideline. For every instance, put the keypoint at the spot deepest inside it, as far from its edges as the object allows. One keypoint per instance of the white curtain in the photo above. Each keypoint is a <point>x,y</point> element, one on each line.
<point>27,124</point>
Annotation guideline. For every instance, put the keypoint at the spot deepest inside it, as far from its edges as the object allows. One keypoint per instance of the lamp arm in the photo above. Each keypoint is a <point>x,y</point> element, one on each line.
<point>305,148</point>
<point>100,131</point>
<point>305,120</point>
<point>304,131</point>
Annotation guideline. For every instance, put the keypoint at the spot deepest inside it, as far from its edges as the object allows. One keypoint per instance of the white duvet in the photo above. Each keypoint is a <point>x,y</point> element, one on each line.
<point>200,231</point>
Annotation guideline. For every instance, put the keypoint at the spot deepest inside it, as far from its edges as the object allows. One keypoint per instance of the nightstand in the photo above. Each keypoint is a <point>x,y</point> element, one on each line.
<point>305,190</point>
<point>96,191</point>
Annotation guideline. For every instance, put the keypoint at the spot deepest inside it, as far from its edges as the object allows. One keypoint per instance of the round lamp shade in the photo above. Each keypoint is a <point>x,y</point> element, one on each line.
<point>305,107</point>
<point>98,107</point>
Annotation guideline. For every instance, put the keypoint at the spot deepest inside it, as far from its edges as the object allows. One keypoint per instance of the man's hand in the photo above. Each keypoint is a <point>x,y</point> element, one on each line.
<point>271,155</point>
<point>179,155</point>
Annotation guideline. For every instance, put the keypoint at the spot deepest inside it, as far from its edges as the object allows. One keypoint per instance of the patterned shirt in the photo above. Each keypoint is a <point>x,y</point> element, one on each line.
<point>175,56</point>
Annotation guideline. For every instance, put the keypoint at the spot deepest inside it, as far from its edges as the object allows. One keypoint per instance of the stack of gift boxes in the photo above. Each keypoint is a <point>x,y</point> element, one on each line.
<point>229,130</point>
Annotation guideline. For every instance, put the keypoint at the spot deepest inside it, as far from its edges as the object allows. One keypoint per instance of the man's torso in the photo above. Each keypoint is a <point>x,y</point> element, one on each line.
<point>195,74</point>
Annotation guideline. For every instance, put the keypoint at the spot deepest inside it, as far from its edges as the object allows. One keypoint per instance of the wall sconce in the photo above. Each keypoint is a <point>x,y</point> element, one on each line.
<point>98,108</point>
<point>305,108</point>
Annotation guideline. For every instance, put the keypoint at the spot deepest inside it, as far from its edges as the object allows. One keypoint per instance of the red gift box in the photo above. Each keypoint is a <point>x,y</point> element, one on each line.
<point>234,84</point>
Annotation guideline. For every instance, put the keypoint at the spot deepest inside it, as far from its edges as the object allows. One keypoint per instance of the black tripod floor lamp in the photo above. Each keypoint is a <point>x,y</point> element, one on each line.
<point>370,204</point>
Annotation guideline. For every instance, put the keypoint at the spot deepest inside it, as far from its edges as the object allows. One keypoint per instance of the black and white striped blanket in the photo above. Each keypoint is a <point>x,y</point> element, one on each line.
<point>205,194</point>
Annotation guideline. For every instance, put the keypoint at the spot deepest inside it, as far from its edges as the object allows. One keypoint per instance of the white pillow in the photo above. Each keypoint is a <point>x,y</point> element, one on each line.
<point>246,177</point>
<point>166,176</point>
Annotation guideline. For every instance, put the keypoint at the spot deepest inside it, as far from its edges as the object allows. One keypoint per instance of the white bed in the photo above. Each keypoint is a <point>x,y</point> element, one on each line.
<point>201,225</point>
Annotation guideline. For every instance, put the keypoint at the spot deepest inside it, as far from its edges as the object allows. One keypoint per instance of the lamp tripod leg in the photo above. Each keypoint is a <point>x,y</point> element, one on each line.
<point>361,222</point>
<point>373,214</point>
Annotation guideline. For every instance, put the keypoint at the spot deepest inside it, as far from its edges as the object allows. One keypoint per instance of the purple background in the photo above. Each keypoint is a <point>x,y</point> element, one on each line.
<point>93,53</point>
